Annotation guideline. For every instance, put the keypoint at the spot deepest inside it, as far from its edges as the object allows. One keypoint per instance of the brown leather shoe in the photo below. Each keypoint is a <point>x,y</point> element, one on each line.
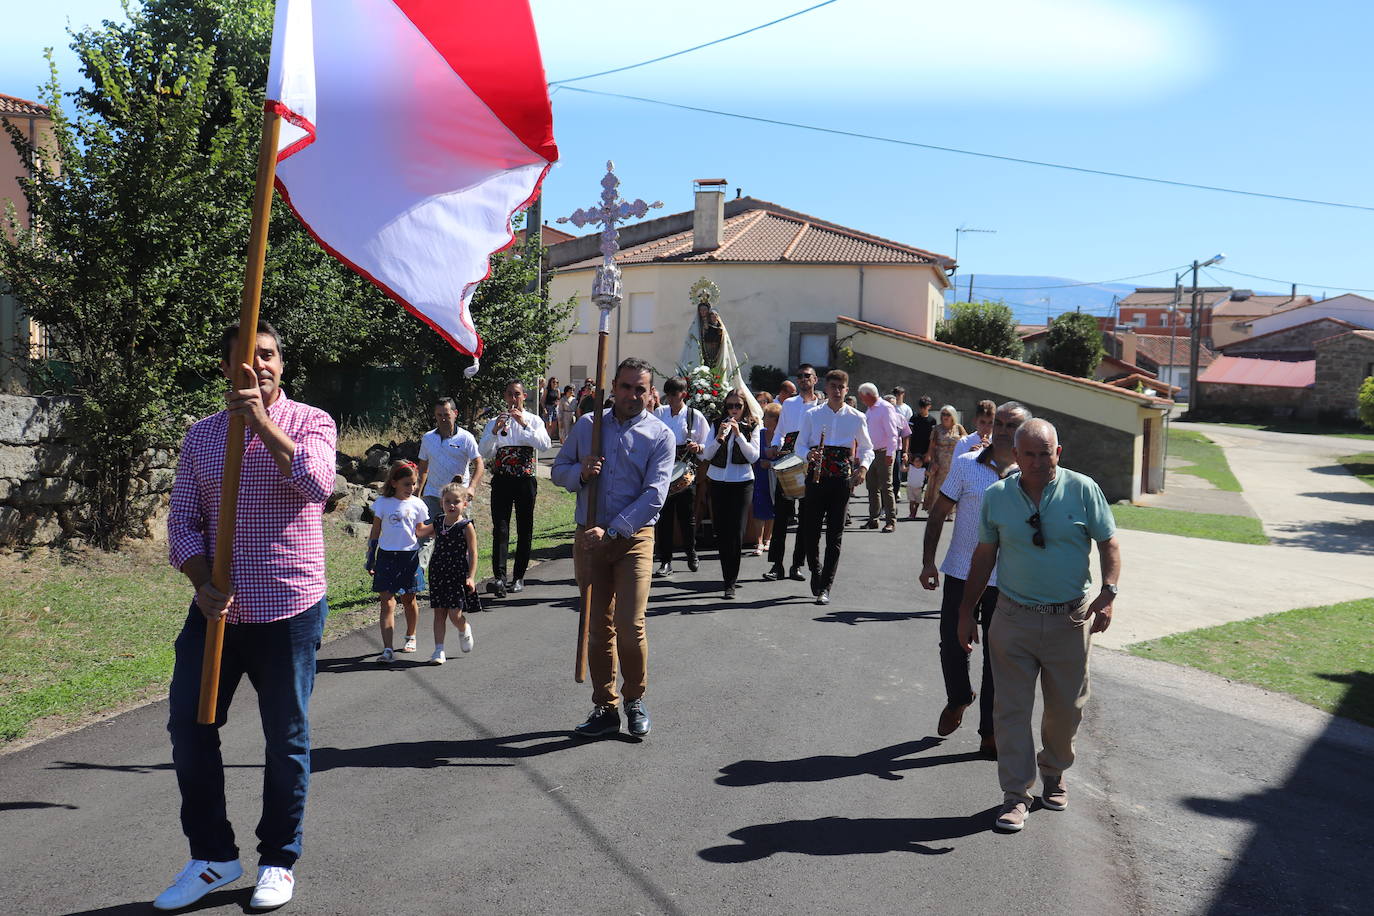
<point>951,717</point>
<point>987,748</point>
<point>871,523</point>
<point>890,527</point>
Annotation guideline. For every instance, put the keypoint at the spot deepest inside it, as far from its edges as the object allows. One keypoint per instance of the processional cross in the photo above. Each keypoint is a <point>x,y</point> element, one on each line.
<point>606,293</point>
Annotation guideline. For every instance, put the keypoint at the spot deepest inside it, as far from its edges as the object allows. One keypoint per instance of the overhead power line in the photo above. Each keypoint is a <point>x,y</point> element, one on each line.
<point>645,63</point>
<point>980,155</point>
<point>977,285</point>
<point>1322,286</point>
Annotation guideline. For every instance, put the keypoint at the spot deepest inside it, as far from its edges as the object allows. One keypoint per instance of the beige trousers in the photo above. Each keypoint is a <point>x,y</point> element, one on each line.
<point>619,573</point>
<point>879,482</point>
<point>1026,645</point>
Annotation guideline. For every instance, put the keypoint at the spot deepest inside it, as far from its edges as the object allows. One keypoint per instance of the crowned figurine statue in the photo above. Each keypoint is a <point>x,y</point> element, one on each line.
<point>708,344</point>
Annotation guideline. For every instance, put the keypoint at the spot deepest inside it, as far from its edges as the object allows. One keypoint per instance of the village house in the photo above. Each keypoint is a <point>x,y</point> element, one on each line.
<point>19,335</point>
<point>783,276</point>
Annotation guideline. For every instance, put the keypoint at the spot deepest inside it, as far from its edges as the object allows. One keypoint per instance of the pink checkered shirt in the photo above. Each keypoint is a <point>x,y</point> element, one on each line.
<point>278,565</point>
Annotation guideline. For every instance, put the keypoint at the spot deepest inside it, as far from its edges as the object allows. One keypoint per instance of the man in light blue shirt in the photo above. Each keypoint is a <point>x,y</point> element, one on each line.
<point>614,550</point>
<point>1038,527</point>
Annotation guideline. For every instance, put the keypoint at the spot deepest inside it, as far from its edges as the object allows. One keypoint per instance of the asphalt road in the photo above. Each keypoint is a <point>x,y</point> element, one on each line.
<point>792,768</point>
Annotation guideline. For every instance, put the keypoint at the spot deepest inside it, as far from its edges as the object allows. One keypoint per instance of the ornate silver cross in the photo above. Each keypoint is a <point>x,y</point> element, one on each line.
<point>606,287</point>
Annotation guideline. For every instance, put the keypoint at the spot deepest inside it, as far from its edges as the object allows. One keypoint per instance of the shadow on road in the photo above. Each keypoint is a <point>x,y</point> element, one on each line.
<point>430,754</point>
<point>210,901</point>
<point>1309,849</point>
<point>30,806</point>
<point>885,763</point>
<point>1355,499</point>
<point>854,618</point>
<point>1355,536</point>
<point>844,836</point>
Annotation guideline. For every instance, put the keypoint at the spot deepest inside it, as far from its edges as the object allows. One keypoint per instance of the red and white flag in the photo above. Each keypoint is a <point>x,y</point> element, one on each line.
<point>413,130</point>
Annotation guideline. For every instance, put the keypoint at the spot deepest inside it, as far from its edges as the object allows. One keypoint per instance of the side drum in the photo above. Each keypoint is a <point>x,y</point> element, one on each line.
<point>791,473</point>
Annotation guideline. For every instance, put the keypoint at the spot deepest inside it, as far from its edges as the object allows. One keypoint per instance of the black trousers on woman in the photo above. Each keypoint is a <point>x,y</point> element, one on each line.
<point>954,661</point>
<point>729,508</point>
<point>510,492</point>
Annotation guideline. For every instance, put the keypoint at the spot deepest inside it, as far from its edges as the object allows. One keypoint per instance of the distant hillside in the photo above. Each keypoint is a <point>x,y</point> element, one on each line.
<point>1027,295</point>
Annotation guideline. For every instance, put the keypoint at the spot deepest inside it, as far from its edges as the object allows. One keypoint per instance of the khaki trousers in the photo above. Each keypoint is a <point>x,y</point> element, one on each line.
<point>879,482</point>
<point>1026,645</point>
<point>619,573</point>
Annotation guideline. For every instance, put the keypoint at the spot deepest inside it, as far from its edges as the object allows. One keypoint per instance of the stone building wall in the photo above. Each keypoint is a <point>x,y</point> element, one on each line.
<point>1293,344</point>
<point>1258,402</point>
<point>1343,363</point>
<point>1105,454</point>
<point>43,499</point>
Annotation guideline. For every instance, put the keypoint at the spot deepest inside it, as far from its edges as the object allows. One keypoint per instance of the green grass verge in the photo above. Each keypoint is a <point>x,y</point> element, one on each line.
<point>1361,465</point>
<point>1305,429</point>
<point>1320,655</point>
<point>1205,457</point>
<point>1240,529</point>
<point>84,633</point>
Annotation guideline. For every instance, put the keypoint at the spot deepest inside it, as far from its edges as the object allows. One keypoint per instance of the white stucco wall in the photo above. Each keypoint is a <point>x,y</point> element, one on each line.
<point>758,302</point>
<point>1350,307</point>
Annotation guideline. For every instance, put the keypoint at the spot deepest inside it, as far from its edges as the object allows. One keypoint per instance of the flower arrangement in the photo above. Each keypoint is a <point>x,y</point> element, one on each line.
<point>706,391</point>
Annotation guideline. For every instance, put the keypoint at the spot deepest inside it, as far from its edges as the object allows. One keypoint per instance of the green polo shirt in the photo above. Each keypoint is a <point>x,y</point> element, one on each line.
<point>1073,514</point>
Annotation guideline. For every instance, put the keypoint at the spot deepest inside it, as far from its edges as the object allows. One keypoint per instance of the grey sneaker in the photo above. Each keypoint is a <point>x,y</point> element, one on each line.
<point>1012,817</point>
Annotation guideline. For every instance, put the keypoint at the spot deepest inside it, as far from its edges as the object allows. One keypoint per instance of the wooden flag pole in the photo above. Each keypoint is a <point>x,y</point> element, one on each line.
<point>584,617</point>
<point>233,444</point>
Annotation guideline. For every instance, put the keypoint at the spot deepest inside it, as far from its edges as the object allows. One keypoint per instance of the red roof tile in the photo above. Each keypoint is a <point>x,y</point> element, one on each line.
<point>1154,300</point>
<point>10,104</point>
<point>1155,347</point>
<point>767,233</point>
<point>1268,373</point>
<point>999,360</point>
<point>1259,306</point>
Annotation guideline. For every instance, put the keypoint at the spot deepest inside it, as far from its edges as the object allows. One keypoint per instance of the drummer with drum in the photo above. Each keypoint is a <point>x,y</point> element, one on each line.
<point>691,432</point>
<point>834,437</point>
<point>790,472</point>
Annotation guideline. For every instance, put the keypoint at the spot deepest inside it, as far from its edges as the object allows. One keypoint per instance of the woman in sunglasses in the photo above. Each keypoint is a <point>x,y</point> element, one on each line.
<point>730,455</point>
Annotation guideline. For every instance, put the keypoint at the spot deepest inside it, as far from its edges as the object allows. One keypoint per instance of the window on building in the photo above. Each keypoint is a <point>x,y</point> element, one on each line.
<point>641,309</point>
<point>1140,319</point>
<point>576,375</point>
<point>815,349</point>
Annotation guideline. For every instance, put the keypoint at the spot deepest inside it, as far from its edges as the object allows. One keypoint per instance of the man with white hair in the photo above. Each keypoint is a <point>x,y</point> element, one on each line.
<point>888,431</point>
<point>1037,526</point>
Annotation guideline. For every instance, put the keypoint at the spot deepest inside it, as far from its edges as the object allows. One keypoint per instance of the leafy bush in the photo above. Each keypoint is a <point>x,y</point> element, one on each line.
<point>764,377</point>
<point>988,327</point>
<point>1366,402</point>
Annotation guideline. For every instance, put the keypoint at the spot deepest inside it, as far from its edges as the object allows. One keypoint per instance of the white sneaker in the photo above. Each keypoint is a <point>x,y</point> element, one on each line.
<point>409,644</point>
<point>275,886</point>
<point>197,879</point>
<point>465,639</point>
<point>387,657</point>
<point>438,657</point>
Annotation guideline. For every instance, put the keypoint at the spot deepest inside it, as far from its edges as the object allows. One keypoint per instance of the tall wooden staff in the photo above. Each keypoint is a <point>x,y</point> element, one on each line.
<point>233,443</point>
<point>607,294</point>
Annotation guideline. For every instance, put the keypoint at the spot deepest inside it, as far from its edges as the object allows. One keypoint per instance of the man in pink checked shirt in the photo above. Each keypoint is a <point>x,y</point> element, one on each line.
<point>274,617</point>
<point>889,431</point>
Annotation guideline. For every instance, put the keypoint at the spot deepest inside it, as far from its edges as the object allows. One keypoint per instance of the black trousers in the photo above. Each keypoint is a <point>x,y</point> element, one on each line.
<point>678,515</point>
<point>729,509</point>
<point>783,511</point>
<point>507,493</point>
<point>825,504</point>
<point>954,661</point>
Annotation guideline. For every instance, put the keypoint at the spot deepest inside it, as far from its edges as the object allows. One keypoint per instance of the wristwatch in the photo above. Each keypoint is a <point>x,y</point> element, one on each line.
<point>612,533</point>
<point>1109,587</point>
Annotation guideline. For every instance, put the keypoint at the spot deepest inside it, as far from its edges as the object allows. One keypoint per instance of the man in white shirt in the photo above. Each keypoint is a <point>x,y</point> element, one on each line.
<point>964,486</point>
<point>511,443</point>
<point>898,397</point>
<point>447,452</point>
<point>834,437</point>
<point>690,433</point>
<point>784,439</point>
<point>982,430</point>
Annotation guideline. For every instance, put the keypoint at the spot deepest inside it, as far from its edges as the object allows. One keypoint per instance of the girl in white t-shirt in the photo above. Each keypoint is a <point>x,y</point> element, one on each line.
<point>393,553</point>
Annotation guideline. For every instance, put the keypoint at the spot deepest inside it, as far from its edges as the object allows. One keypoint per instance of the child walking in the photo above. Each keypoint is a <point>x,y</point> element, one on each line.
<point>393,554</point>
<point>452,590</point>
<point>915,479</point>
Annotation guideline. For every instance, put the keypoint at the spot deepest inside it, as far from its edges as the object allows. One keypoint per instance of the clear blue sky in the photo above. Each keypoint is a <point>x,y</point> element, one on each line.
<point>1248,94</point>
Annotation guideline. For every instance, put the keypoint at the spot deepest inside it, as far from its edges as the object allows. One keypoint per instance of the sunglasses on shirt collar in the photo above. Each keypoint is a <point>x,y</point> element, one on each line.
<point>1038,537</point>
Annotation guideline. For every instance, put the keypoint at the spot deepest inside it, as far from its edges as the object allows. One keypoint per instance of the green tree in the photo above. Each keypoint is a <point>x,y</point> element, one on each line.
<point>1366,402</point>
<point>135,261</point>
<point>988,327</point>
<point>1073,345</point>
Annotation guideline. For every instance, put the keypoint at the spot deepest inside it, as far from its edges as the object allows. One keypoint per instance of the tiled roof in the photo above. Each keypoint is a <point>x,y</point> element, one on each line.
<point>1241,344</point>
<point>1121,365</point>
<point>1155,347</point>
<point>1148,380</point>
<point>1003,361</point>
<point>768,234</point>
<point>1139,299</point>
<point>1367,335</point>
<point>10,104</point>
<point>1266,373</point>
<point>1259,306</point>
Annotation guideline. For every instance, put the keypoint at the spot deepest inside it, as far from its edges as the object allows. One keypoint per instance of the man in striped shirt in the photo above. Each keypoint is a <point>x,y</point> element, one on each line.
<point>274,615</point>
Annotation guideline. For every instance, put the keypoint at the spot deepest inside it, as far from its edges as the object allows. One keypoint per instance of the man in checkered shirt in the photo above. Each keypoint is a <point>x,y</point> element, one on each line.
<point>274,614</point>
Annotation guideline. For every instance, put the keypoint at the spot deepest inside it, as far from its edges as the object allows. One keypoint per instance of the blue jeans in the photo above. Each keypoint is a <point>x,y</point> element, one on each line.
<point>279,659</point>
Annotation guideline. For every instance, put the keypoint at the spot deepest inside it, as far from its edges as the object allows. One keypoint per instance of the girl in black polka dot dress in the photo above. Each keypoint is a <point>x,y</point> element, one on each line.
<point>452,592</point>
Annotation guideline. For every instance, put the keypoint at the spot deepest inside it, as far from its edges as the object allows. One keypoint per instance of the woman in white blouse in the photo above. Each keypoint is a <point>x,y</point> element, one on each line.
<point>730,455</point>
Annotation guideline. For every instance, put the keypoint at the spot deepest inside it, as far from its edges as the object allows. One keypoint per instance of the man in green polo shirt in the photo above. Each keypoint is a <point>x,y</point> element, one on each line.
<point>1037,527</point>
